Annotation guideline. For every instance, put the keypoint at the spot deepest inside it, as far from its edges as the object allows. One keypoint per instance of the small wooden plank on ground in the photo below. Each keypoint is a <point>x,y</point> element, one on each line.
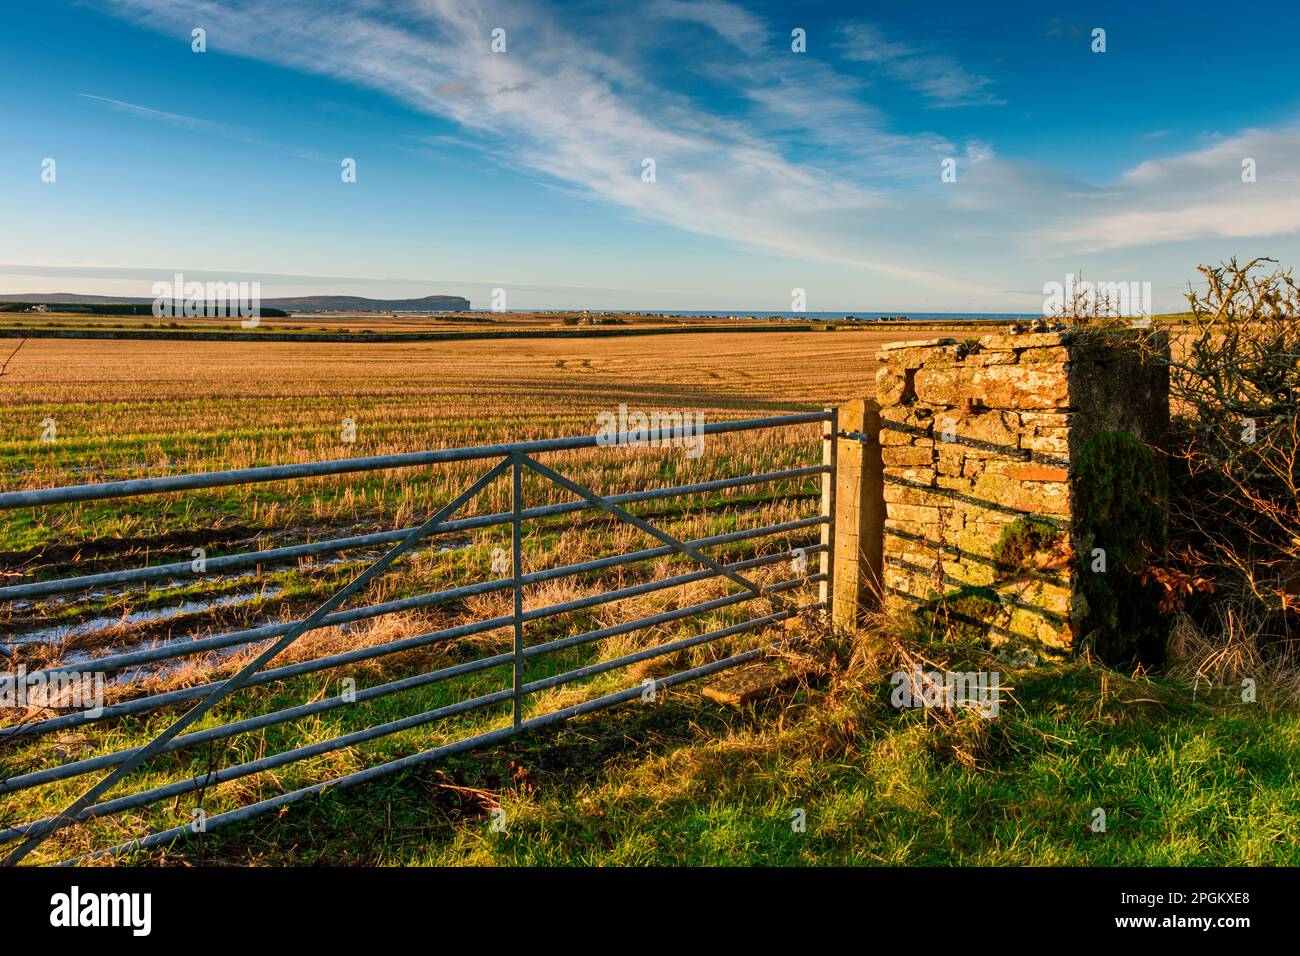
<point>750,682</point>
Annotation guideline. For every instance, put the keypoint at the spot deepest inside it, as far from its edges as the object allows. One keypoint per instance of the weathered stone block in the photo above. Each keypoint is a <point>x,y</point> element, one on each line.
<point>991,357</point>
<point>915,479</point>
<point>923,515</point>
<point>997,428</point>
<point>996,386</point>
<point>901,456</point>
<point>949,458</point>
<point>893,385</point>
<point>928,343</point>
<point>894,437</point>
<point>1053,445</point>
<point>1032,472</point>
<point>1027,340</point>
<point>1039,420</point>
<point>929,497</point>
<point>914,358</point>
<point>945,356</point>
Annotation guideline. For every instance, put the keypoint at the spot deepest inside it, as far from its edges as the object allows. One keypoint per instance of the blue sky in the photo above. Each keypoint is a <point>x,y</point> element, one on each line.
<point>522,169</point>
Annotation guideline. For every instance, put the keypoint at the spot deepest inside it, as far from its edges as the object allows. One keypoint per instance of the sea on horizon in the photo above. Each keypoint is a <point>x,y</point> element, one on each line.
<point>810,316</point>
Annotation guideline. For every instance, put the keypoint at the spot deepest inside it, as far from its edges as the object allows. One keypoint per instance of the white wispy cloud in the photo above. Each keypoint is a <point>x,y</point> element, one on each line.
<point>572,113</point>
<point>1199,194</point>
<point>172,119</point>
<point>734,24</point>
<point>935,76</point>
<point>807,167</point>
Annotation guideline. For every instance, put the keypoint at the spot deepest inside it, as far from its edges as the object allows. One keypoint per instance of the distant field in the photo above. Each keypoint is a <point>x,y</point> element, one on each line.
<point>372,322</point>
<point>307,325</point>
<point>125,408</point>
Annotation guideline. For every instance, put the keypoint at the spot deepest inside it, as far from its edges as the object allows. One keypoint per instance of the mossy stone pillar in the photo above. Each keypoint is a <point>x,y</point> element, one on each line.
<point>1022,495</point>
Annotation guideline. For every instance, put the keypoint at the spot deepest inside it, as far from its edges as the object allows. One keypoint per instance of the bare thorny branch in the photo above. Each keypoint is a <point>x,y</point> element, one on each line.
<point>1235,445</point>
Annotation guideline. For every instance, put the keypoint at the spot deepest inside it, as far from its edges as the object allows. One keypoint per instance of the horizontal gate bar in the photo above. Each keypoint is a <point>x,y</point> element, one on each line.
<point>272,639</point>
<point>645,654</point>
<point>154,701</point>
<point>595,499</point>
<point>76,768</point>
<point>664,617</point>
<point>636,590</point>
<point>234,683</point>
<point>167,791</point>
<point>216,565</point>
<point>184,648</point>
<point>242,476</point>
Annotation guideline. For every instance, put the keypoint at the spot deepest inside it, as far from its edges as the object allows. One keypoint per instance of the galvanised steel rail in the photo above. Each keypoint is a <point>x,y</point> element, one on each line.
<point>335,545</point>
<point>273,639</point>
<point>340,466</point>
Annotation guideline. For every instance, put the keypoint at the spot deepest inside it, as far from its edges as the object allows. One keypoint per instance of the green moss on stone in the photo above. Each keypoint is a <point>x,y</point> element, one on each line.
<point>1120,509</point>
<point>1020,542</point>
<point>963,615</point>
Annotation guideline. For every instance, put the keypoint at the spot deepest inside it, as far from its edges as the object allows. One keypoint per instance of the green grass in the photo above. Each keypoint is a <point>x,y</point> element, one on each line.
<point>1183,780</point>
<point>687,781</point>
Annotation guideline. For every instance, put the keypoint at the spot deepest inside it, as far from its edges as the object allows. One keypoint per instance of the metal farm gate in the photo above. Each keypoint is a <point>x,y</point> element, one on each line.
<point>502,460</point>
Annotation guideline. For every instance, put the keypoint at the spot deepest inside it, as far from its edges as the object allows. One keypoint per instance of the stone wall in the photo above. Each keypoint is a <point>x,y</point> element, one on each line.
<point>979,439</point>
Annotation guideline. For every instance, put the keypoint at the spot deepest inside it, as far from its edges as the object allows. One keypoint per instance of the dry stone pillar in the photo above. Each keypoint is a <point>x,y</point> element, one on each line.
<point>1021,497</point>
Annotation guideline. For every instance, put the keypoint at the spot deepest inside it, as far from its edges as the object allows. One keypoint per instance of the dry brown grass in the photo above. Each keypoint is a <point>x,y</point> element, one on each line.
<point>1233,646</point>
<point>284,401</point>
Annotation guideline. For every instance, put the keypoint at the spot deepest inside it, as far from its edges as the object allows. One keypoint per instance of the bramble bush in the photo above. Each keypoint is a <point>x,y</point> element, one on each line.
<point>1234,445</point>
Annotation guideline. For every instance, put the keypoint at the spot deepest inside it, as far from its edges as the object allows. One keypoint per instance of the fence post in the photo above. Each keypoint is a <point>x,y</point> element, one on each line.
<point>859,520</point>
<point>830,450</point>
<point>516,564</point>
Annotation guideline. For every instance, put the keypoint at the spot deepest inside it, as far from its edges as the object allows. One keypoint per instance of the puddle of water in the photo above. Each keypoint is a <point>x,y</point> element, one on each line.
<point>59,633</point>
<point>368,557</point>
<point>62,632</point>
